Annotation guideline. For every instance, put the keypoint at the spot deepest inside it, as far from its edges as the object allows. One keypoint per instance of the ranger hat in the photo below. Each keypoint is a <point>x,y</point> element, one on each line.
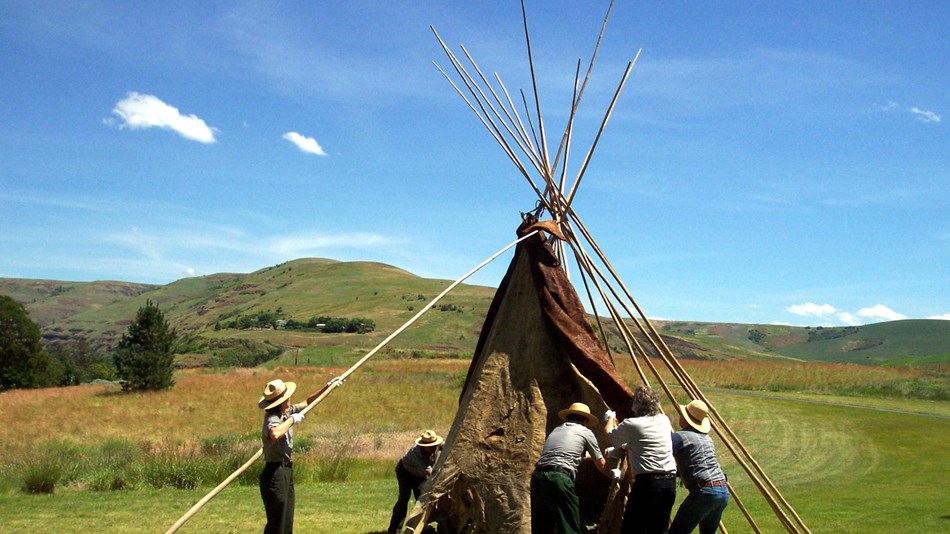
<point>429,439</point>
<point>578,408</point>
<point>276,392</point>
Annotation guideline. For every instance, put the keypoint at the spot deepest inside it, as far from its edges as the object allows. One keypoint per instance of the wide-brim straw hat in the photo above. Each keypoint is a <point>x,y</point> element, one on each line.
<point>276,392</point>
<point>429,439</point>
<point>696,414</point>
<point>578,408</point>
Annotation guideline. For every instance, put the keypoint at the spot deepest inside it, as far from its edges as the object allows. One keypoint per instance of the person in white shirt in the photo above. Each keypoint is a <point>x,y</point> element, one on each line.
<point>647,436</point>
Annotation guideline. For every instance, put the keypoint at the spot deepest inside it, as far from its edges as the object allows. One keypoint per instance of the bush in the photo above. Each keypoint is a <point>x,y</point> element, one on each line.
<point>335,467</point>
<point>173,472</point>
<point>41,478</point>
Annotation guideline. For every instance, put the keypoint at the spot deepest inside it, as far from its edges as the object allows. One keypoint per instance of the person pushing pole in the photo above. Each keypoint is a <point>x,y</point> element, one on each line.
<point>277,435</point>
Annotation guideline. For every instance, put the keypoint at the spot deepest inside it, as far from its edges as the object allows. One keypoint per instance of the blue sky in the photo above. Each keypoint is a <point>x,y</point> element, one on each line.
<point>766,162</point>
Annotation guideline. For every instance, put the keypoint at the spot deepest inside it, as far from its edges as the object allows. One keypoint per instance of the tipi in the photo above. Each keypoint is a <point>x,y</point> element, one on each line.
<point>538,352</point>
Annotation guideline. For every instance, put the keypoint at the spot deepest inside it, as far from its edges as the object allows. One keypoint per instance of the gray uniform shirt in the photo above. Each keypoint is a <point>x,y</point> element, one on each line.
<point>649,443</point>
<point>278,450</point>
<point>416,461</point>
<point>566,445</point>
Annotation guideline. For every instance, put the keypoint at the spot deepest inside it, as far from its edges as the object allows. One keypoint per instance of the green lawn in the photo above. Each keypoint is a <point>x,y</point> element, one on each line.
<point>844,469</point>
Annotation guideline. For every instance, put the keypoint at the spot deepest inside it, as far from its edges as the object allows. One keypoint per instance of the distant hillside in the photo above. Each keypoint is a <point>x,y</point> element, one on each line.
<point>202,307</point>
<point>894,342</point>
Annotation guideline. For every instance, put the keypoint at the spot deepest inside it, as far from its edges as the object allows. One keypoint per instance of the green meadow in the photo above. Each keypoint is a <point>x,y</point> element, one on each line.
<point>137,462</point>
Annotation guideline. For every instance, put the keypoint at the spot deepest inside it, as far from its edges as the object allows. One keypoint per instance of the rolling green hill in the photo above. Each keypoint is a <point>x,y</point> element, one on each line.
<point>201,308</point>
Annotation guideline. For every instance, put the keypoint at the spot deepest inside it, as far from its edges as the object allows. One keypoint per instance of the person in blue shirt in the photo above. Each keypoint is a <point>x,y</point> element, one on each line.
<point>700,472</point>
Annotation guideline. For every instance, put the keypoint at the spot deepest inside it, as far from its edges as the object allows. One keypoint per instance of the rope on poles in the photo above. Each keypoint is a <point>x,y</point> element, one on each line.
<point>326,391</point>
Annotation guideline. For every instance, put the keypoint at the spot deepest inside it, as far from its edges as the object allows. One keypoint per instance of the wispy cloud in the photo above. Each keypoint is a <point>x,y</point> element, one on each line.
<point>224,249</point>
<point>943,317</point>
<point>139,112</point>
<point>830,314</point>
<point>305,144</point>
<point>922,115</point>
<point>50,200</point>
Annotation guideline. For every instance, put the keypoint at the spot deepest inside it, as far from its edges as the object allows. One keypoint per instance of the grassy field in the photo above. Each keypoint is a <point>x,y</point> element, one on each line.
<point>846,463</point>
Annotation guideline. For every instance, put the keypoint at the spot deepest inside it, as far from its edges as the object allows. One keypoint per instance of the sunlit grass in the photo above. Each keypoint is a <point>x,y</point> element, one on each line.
<point>116,457</point>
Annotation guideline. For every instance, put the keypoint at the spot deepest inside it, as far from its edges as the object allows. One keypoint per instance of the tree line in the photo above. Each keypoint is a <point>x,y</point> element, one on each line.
<point>143,359</point>
<point>275,319</point>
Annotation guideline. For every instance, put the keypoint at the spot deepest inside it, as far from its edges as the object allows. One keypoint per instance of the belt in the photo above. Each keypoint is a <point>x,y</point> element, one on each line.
<point>713,484</point>
<point>658,476</point>
<point>282,463</point>
<point>562,470</point>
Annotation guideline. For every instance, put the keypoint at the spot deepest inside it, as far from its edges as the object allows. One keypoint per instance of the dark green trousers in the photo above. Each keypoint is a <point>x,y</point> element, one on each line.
<point>277,492</point>
<point>555,507</point>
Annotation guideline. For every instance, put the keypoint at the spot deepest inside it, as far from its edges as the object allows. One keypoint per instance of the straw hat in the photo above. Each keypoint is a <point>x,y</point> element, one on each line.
<point>696,413</point>
<point>276,392</point>
<point>429,439</point>
<point>578,408</point>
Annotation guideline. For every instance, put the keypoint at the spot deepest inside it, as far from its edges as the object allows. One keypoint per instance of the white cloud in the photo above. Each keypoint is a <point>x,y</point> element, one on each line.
<point>925,116</point>
<point>944,317</point>
<point>139,111</point>
<point>880,312</point>
<point>811,309</point>
<point>922,114</point>
<point>305,144</point>
<point>849,319</point>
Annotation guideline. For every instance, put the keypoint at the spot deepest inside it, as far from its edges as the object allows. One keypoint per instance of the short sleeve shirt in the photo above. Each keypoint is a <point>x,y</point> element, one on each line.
<point>649,443</point>
<point>278,450</point>
<point>566,445</point>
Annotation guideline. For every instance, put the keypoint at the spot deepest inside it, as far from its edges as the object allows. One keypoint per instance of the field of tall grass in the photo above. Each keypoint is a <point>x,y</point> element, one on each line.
<point>91,458</point>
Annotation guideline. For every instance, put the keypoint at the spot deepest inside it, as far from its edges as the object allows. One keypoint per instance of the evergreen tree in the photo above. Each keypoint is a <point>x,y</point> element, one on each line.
<point>144,358</point>
<point>23,363</point>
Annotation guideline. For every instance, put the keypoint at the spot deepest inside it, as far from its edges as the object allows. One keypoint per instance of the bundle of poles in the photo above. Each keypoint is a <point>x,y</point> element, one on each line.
<point>496,111</point>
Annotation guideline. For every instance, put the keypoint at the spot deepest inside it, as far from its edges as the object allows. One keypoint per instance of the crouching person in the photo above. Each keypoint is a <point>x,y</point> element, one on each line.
<point>411,471</point>
<point>555,506</point>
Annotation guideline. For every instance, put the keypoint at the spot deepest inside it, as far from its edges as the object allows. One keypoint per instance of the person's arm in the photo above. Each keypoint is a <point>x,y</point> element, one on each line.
<point>677,442</point>
<point>335,382</point>
<point>275,432</point>
<point>610,421</point>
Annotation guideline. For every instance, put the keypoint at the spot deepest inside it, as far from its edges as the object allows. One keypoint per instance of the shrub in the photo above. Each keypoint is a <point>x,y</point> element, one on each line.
<point>335,467</point>
<point>174,472</point>
<point>41,478</point>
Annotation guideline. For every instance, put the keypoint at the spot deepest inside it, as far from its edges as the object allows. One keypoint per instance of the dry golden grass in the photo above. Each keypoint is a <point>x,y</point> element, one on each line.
<point>382,407</point>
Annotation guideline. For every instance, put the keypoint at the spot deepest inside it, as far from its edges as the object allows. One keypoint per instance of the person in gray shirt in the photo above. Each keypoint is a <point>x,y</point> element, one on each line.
<point>555,506</point>
<point>411,471</point>
<point>277,434</point>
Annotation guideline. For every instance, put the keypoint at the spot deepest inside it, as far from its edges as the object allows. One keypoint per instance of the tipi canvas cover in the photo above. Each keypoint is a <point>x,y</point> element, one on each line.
<point>537,354</point>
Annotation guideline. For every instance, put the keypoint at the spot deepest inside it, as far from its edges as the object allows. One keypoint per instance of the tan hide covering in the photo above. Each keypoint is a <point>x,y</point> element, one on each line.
<point>537,354</point>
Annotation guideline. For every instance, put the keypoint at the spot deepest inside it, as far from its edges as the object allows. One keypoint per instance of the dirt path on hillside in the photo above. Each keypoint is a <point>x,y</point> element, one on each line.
<point>828,403</point>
